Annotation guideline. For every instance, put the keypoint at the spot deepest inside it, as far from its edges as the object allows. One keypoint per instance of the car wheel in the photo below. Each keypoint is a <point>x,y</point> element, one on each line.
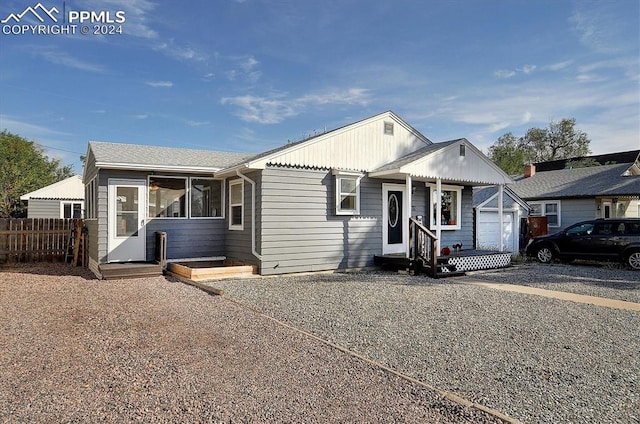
<point>544,254</point>
<point>633,259</point>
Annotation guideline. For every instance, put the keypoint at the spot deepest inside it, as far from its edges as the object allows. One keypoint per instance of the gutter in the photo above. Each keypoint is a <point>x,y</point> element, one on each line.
<point>253,214</point>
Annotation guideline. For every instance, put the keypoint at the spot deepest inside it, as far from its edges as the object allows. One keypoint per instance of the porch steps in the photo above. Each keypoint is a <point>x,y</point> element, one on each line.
<point>443,268</point>
<point>116,271</point>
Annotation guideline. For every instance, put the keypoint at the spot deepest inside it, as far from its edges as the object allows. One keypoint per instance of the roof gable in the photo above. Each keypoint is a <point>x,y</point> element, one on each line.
<point>70,188</point>
<point>445,160</point>
<point>361,146</point>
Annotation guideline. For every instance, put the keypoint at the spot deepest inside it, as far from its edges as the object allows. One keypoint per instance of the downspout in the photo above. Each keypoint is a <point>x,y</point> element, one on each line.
<point>253,214</point>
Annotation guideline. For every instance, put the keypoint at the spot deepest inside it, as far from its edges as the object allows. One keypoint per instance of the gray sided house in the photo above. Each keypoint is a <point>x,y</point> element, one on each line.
<point>64,199</point>
<point>329,202</point>
<point>566,193</point>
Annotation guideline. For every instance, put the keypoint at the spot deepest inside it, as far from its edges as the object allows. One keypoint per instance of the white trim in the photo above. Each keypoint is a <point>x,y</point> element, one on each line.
<point>236,227</point>
<point>338,176</point>
<point>71,202</point>
<point>439,187</point>
<point>141,167</point>
<point>254,251</point>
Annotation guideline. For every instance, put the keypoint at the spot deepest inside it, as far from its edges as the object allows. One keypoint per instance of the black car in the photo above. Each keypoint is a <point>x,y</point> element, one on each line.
<point>600,239</point>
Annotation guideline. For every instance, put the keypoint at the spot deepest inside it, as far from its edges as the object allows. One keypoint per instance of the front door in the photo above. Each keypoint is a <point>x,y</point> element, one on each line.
<point>393,225</point>
<point>127,212</point>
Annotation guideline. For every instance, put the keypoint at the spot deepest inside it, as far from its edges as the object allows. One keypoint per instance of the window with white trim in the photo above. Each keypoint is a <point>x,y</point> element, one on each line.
<point>450,207</point>
<point>236,205</point>
<point>90,198</point>
<point>71,210</point>
<point>206,198</point>
<point>550,209</point>
<point>167,197</point>
<point>347,187</point>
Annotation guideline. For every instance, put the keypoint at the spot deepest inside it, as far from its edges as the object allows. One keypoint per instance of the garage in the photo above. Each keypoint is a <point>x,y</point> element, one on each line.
<point>486,230</point>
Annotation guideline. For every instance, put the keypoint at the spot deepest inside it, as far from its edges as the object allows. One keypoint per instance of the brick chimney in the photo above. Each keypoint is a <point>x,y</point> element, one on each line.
<point>529,170</point>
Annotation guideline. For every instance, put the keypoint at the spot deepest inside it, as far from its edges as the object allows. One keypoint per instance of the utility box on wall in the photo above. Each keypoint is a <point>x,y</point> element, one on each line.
<point>538,226</point>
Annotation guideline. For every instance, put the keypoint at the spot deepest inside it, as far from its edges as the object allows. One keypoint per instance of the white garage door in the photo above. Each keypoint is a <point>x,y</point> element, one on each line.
<point>488,236</point>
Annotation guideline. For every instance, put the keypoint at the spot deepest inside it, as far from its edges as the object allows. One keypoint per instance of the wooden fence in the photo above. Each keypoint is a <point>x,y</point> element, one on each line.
<point>36,239</point>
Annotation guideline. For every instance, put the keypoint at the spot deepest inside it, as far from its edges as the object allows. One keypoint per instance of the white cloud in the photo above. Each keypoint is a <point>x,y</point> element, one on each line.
<point>180,52</point>
<point>136,15</point>
<point>197,123</point>
<point>159,84</point>
<point>527,69</point>
<point>140,116</point>
<point>504,73</point>
<point>277,108</point>
<point>558,66</point>
<point>58,57</point>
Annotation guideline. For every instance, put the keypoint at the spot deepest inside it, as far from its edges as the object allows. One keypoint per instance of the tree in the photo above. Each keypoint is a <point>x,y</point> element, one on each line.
<point>507,154</point>
<point>559,141</point>
<point>23,168</point>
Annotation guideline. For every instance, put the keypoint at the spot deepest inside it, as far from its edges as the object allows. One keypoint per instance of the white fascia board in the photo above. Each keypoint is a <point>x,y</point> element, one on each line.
<point>168,168</point>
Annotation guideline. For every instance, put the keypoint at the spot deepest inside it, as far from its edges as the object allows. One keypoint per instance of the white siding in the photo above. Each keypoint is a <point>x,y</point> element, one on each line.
<point>360,146</point>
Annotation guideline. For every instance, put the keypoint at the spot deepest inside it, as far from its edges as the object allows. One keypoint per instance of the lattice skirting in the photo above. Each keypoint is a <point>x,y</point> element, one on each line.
<point>474,263</point>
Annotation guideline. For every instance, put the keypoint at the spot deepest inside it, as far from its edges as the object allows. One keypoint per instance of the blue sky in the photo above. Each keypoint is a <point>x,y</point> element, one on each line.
<point>250,75</point>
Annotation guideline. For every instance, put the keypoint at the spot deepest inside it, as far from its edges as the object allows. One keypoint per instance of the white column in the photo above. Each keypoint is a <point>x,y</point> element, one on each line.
<point>407,212</point>
<point>438,214</point>
<point>500,217</point>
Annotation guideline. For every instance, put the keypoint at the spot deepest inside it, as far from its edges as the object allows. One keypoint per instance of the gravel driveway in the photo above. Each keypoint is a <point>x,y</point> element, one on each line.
<point>75,349</point>
<point>533,358</point>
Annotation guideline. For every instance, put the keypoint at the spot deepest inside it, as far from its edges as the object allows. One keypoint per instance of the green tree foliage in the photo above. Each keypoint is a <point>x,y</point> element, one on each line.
<point>507,154</point>
<point>24,168</point>
<point>561,140</point>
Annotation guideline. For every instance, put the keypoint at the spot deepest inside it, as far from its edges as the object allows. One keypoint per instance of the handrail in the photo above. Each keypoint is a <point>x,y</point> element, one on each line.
<point>422,251</point>
<point>423,228</point>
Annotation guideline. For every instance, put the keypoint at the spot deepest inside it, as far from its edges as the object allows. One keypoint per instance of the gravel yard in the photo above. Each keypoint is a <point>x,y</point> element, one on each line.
<point>535,359</point>
<point>602,280</point>
<point>75,349</point>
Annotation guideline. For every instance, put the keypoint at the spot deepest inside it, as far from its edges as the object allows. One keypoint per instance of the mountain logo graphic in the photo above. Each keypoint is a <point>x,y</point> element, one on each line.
<point>38,11</point>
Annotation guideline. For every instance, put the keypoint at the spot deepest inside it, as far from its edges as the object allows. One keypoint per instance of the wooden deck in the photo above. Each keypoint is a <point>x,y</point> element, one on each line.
<point>115,271</point>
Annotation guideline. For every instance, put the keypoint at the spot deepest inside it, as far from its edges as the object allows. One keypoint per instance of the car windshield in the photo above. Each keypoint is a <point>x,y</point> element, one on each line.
<point>580,230</point>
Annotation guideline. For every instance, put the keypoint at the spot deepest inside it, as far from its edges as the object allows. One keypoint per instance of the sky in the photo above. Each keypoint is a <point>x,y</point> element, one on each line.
<point>251,75</point>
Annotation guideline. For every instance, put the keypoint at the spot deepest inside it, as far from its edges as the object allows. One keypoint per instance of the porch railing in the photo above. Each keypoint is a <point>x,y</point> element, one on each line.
<point>422,248</point>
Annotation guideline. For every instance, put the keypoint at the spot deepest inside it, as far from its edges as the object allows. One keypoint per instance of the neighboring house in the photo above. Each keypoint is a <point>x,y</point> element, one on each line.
<point>64,199</point>
<point>332,201</point>
<point>566,194</point>
<point>485,204</point>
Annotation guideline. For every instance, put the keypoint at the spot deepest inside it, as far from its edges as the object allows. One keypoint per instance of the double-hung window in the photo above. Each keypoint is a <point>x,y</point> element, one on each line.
<point>347,185</point>
<point>236,205</point>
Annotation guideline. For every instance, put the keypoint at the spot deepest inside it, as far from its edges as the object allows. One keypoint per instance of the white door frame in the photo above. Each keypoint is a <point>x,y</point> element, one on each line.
<point>127,248</point>
<point>400,247</point>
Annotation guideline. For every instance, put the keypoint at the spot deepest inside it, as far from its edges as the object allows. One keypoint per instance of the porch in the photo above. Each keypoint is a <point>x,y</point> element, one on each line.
<point>422,256</point>
<point>454,264</point>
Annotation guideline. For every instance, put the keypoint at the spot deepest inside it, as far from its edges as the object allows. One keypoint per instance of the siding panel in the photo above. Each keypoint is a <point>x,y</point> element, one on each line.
<point>300,231</point>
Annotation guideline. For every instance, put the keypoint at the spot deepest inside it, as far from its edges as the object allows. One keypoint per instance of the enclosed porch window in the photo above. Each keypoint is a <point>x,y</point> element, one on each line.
<point>206,198</point>
<point>167,197</point>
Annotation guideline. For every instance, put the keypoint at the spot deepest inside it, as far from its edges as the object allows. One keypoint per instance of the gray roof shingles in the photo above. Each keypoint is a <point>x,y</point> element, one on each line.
<point>606,180</point>
<point>133,154</point>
